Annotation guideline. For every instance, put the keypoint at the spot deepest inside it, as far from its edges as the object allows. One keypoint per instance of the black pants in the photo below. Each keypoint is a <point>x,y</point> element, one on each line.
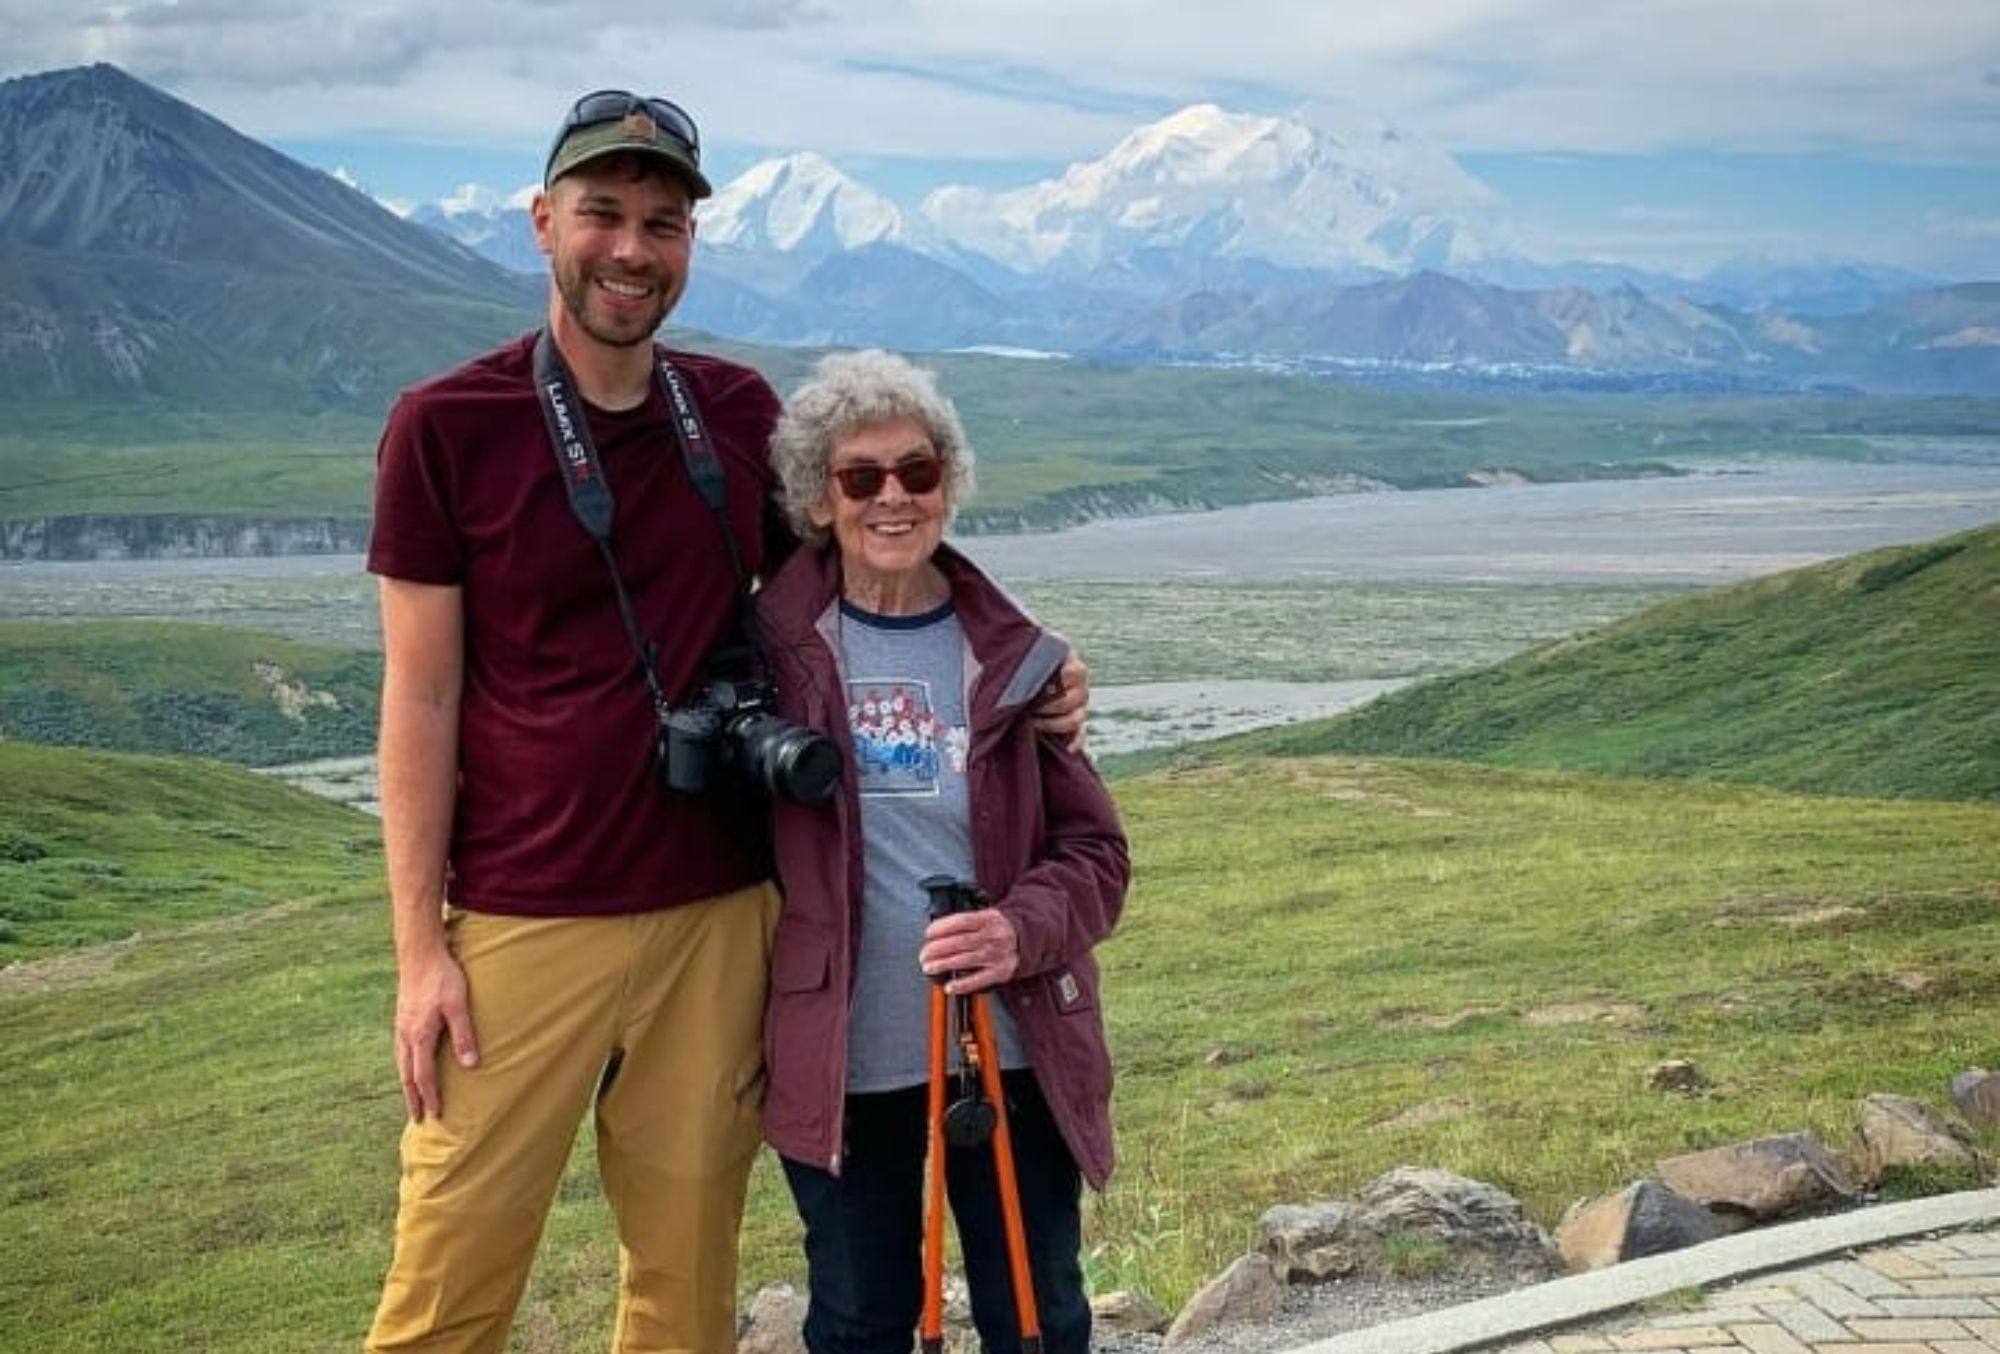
<point>865,1228</point>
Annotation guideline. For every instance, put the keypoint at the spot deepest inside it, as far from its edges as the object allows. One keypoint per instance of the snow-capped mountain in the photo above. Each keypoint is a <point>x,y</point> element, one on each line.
<point>772,222</point>
<point>1206,184</point>
<point>803,206</point>
<point>1204,195</point>
<point>154,250</point>
<point>487,222</point>
<point>476,204</point>
<point>1213,233</point>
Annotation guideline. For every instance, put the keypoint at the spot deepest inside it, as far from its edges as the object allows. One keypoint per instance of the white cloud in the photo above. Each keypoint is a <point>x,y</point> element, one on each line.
<point>1669,249</point>
<point>1639,214</point>
<point>1051,78</point>
<point>1963,227</point>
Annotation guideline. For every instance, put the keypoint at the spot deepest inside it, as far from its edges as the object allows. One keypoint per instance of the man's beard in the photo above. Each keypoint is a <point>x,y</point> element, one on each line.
<point>575,289</point>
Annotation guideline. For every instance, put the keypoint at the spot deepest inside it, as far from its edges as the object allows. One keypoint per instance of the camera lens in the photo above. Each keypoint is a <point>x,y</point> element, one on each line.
<point>786,759</point>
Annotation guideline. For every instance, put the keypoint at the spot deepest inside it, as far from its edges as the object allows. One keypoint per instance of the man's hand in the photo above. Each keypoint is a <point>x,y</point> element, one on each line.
<point>1061,712</point>
<point>430,1006</point>
<point>979,948</point>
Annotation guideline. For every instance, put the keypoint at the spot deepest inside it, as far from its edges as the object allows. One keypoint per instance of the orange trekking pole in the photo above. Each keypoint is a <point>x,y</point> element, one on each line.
<point>976,1116</point>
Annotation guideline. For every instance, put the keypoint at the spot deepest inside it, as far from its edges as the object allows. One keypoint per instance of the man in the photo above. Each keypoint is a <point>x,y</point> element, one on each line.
<point>569,935</point>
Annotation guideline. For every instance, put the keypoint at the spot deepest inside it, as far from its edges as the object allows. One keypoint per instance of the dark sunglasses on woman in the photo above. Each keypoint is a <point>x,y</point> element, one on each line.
<point>917,475</point>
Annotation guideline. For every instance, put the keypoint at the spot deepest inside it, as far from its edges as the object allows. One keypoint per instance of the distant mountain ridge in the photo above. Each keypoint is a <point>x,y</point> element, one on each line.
<point>147,250</point>
<point>1217,236</point>
<point>94,161</point>
<point>147,247</point>
<point>1435,318</point>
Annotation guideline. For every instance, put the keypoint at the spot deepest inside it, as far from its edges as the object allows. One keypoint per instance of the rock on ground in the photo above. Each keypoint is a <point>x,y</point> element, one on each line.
<point>1312,1312</point>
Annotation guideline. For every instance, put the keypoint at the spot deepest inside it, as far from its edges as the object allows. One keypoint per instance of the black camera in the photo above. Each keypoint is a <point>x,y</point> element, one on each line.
<point>728,730</point>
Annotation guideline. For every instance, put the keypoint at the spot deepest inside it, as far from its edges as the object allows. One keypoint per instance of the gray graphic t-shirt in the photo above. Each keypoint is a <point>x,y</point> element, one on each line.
<point>906,719</point>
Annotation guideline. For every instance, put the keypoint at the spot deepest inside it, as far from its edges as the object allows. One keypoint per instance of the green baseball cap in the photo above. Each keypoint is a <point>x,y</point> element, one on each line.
<point>613,122</point>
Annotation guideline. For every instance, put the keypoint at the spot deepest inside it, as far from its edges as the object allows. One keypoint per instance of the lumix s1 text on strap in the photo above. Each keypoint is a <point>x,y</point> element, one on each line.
<point>576,457</point>
<point>589,492</point>
<point>704,467</point>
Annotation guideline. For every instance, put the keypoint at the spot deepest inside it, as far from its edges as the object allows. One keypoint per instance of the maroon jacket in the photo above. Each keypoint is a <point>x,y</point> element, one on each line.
<point>1046,845</point>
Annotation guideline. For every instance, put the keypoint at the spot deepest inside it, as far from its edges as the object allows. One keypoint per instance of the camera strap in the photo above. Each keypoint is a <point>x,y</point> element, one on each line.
<point>590,493</point>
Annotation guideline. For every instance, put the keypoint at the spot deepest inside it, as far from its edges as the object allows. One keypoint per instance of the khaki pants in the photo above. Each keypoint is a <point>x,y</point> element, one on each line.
<point>657,1019</point>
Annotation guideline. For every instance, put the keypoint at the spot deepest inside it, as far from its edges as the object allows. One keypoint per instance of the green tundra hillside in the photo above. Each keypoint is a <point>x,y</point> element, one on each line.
<point>98,846</point>
<point>1876,674</point>
<point>158,686</point>
<point>1328,967</point>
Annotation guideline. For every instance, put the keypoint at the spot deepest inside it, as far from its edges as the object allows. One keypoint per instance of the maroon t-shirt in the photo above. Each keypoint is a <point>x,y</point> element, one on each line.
<point>559,811</point>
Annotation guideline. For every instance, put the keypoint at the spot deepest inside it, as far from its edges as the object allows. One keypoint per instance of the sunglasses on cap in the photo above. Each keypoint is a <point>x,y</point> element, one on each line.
<point>917,475</point>
<point>613,105</point>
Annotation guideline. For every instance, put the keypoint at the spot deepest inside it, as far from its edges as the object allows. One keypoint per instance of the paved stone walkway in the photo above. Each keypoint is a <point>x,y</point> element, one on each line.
<point>1919,1277</point>
<point>1935,1296</point>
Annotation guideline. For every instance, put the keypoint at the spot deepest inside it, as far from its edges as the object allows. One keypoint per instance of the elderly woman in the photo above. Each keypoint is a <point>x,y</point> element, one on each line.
<point>895,645</point>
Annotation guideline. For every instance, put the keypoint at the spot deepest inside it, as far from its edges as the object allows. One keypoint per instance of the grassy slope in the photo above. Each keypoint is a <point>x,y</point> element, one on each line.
<point>102,846</point>
<point>159,686</point>
<point>197,1143</point>
<point>1873,675</point>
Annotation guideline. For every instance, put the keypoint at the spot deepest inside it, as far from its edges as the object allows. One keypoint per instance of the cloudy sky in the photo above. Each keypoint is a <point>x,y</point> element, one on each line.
<point>1671,133</point>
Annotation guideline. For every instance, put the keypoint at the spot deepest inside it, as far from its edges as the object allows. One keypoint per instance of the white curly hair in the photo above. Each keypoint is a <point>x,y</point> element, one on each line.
<point>845,393</point>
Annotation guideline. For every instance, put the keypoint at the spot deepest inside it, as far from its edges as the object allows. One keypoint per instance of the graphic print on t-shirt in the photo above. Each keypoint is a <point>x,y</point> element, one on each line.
<point>898,738</point>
